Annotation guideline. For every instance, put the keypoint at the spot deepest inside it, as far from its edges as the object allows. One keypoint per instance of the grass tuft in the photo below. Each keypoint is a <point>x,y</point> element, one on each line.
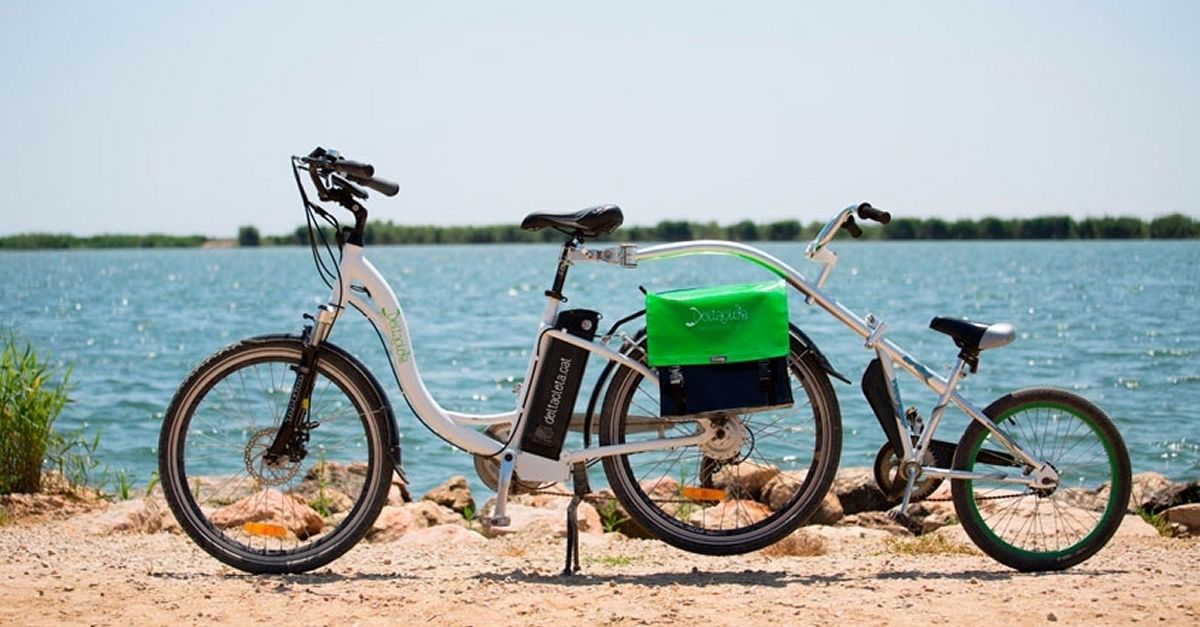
<point>929,544</point>
<point>31,397</point>
<point>1158,521</point>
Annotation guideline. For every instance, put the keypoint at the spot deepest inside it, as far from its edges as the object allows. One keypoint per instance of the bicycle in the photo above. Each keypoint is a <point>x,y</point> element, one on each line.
<point>277,453</point>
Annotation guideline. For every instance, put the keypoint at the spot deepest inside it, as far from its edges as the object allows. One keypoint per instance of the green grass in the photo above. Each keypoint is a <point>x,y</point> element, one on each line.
<point>32,394</point>
<point>928,544</point>
<point>1158,521</point>
<point>611,560</point>
<point>610,515</point>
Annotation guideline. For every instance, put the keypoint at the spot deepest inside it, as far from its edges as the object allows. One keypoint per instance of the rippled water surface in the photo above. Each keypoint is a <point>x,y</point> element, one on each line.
<point>1114,321</point>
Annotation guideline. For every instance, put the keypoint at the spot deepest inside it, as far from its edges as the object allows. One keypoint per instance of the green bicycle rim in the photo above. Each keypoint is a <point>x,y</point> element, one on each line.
<point>1114,489</point>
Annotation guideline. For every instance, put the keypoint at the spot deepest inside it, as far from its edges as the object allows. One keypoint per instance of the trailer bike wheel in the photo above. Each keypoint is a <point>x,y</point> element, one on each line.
<point>763,476</point>
<point>298,513</point>
<point>1056,526</point>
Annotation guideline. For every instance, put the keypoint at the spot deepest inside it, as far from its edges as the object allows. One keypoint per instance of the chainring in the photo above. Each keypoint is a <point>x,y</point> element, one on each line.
<point>887,476</point>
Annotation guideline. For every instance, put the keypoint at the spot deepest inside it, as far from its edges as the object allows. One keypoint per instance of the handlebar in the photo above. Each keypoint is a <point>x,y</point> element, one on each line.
<point>330,161</point>
<point>817,250</point>
<point>867,212</point>
<point>353,168</point>
<point>383,186</point>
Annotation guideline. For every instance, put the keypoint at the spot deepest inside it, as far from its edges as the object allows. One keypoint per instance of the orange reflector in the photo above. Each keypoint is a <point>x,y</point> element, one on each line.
<point>269,530</point>
<point>702,494</point>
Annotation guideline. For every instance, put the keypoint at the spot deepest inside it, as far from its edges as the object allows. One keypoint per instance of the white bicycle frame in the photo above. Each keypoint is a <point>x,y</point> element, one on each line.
<point>361,286</point>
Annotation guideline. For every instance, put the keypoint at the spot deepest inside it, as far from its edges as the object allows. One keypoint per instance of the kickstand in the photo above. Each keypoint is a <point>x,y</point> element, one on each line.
<point>580,483</point>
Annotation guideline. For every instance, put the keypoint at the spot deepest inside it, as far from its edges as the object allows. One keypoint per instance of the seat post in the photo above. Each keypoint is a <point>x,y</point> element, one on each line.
<point>564,263</point>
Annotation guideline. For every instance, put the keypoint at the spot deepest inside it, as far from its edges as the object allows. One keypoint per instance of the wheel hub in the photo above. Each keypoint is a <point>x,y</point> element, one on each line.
<point>728,436</point>
<point>268,474</point>
<point>1045,480</point>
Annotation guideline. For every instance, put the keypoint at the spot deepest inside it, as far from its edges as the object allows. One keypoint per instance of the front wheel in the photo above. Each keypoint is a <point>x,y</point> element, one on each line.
<point>291,515</point>
<point>1043,528</point>
<point>764,477</point>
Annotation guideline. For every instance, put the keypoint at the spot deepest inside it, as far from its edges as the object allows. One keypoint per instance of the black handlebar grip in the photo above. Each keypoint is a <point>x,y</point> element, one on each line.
<point>867,212</point>
<point>852,227</point>
<point>383,186</point>
<point>353,168</point>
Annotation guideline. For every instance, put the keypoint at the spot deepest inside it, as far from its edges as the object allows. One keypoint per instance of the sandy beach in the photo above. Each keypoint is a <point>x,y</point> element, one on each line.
<point>61,572</point>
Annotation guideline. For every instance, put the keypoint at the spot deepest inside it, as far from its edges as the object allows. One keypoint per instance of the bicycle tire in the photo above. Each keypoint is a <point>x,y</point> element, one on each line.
<point>1041,530</point>
<point>810,451</point>
<point>255,517</point>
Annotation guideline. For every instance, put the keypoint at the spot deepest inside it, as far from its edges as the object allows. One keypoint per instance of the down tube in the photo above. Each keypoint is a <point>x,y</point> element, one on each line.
<point>387,317</point>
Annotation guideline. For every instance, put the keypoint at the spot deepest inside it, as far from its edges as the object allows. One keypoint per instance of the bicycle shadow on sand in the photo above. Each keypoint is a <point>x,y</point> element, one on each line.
<point>695,578</point>
<point>284,581</point>
<point>769,578</point>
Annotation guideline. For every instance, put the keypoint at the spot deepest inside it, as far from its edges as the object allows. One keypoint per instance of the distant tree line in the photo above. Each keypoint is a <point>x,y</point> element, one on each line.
<point>30,241</point>
<point>1173,226</point>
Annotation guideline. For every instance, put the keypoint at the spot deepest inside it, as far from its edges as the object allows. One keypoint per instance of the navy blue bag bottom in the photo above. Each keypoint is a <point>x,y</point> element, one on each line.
<point>725,388</point>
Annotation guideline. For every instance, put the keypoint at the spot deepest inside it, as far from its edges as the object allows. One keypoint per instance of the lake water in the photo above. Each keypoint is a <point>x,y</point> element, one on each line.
<point>1115,321</point>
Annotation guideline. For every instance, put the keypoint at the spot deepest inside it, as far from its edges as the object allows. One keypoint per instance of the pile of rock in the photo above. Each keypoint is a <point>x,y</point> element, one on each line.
<point>449,512</point>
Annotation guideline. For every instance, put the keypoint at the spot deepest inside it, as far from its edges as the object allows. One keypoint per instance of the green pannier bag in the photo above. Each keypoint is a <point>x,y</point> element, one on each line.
<point>720,350</point>
<point>717,325</point>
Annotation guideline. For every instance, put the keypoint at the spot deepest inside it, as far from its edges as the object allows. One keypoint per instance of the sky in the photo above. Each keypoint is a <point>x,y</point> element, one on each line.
<point>179,117</point>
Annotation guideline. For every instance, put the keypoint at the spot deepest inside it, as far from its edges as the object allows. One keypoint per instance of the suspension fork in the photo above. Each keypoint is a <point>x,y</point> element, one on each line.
<point>293,429</point>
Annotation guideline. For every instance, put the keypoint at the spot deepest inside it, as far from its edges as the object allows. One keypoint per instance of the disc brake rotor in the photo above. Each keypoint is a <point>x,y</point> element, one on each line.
<point>264,473</point>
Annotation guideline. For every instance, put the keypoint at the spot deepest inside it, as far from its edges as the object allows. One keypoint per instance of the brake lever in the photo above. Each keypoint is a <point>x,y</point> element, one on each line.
<point>354,190</point>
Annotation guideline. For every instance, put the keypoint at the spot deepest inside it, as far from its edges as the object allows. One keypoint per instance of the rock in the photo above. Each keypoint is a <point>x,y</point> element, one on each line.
<point>929,516</point>
<point>608,506</point>
<point>552,519</point>
<point>781,487</point>
<point>442,535</point>
<point>829,512</point>
<point>1093,500</point>
<point>857,492</point>
<point>745,480</point>
<point>548,496</point>
<point>42,507</point>
<point>730,514</point>
<point>665,490</point>
<point>1187,516</point>
<point>429,514</point>
<point>132,516</point>
<point>454,494</point>
<point>841,539</point>
<point>395,521</point>
<point>398,492</point>
<point>1153,492</point>
<point>874,520</point>
<point>324,500</point>
<point>273,507</point>
<point>392,523</point>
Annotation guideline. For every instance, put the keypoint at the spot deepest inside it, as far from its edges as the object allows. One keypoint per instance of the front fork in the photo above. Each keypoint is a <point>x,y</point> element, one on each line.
<point>290,440</point>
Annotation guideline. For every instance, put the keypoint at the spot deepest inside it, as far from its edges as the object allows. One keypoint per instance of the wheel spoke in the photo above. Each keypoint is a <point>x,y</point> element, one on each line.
<point>1048,527</point>
<point>274,517</point>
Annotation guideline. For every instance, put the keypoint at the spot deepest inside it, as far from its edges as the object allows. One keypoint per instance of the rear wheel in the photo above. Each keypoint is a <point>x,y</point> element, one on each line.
<point>285,517</point>
<point>1052,528</point>
<point>766,474</point>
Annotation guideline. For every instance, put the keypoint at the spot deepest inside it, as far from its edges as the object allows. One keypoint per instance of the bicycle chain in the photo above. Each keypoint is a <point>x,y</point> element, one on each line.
<point>593,497</point>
